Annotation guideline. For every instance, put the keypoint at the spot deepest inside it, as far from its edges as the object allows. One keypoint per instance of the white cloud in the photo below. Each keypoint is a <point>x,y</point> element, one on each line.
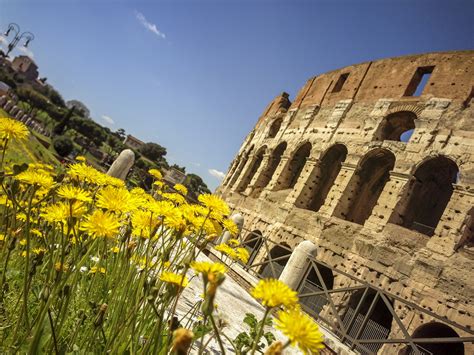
<point>108,119</point>
<point>148,25</point>
<point>217,174</point>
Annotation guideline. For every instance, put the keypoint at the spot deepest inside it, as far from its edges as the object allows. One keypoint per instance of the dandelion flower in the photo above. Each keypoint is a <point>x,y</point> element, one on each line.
<point>205,267</point>
<point>74,193</point>
<point>81,158</point>
<point>181,189</point>
<point>12,129</point>
<point>175,279</point>
<point>214,204</point>
<point>242,255</point>
<point>301,330</point>
<point>37,178</point>
<point>173,197</point>
<point>274,293</point>
<point>230,226</point>
<point>96,269</point>
<point>116,200</point>
<point>101,224</point>
<point>182,339</point>
<point>156,174</point>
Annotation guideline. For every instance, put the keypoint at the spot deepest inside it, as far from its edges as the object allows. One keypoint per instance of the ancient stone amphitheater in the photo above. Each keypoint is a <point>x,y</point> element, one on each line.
<point>374,164</point>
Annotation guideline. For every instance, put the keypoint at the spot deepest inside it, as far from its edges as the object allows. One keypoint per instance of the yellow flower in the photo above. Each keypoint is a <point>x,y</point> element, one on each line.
<point>144,223</point>
<point>214,203</point>
<point>301,330</point>
<point>38,251</point>
<point>181,189</point>
<point>86,173</point>
<point>159,184</point>
<point>230,226</point>
<point>74,193</point>
<point>61,267</point>
<point>115,249</point>
<point>101,224</point>
<point>156,174</point>
<point>2,237</point>
<point>116,200</point>
<point>37,178</point>
<point>242,255</point>
<point>175,279</point>
<point>275,349</point>
<point>206,267</point>
<point>233,242</point>
<point>61,211</point>
<point>176,198</point>
<point>12,129</point>
<point>96,269</point>
<point>81,158</point>
<point>174,219</point>
<point>182,339</point>
<point>23,242</point>
<point>274,293</point>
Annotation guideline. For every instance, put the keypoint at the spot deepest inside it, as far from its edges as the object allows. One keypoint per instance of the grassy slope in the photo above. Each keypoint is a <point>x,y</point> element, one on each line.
<point>28,151</point>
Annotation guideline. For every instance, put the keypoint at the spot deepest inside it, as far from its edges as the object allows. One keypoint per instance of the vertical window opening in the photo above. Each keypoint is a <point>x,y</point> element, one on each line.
<point>340,82</point>
<point>418,82</point>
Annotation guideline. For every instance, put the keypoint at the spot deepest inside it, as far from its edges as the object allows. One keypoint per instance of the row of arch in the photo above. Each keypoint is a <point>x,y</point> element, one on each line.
<point>380,319</point>
<point>425,198</point>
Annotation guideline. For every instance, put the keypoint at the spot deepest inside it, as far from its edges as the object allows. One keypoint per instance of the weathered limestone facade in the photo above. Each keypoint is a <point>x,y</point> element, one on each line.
<point>337,167</point>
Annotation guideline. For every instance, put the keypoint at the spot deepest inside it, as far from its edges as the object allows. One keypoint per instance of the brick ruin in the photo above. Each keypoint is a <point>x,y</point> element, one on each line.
<point>373,163</point>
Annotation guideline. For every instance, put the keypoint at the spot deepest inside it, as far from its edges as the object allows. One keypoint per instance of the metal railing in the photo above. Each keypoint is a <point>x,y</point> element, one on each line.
<point>355,325</point>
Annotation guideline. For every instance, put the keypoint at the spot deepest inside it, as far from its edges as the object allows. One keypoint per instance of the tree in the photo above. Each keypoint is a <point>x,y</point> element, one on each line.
<point>59,129</point>
<point>195,185</point>
<point>120,133</point>
<point>80,108</point>
<point>89,128</point>
<point>33,98</point>
<point>153,151</point>
<point>63,145</point>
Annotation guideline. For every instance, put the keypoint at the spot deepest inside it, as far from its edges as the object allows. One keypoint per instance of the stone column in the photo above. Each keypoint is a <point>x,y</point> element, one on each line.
<point>245,171</point>
<point>122,165</point>
<point>297,265</point>
<point>3,100</point>
<point>336,193</point>
<point>239,221</point>
<point>308,169</point>
<point>264,165</point>
<point>276,175</point>
<point>7,107</point>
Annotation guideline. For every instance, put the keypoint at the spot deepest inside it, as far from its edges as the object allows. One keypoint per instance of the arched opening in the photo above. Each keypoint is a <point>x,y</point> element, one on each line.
<point>379,321</point>
<point>314,283</point>
<point>252,243</point>
<point>366,185</point>
<point>251,171</point>
<point>397,126</point>
<point>322,178</point>
<point>435,330</point>
<point>274,128</point>
<point>273,266</point>
<point>267,174</point>
<point>427,195</point>
<point>240,167</point>
<point>294,167</point>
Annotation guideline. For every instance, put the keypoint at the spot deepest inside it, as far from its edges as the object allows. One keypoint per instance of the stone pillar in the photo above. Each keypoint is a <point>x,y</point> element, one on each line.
<point>122,165</point>
<point>3,100</point>
<point>245,171</point>
<point>297,265</point>
<point>256,179</point>
<point>239,221</point>
<point>302,182</point>
<point>14,111</point>
<point>7,107</point>
<point>19,114</point>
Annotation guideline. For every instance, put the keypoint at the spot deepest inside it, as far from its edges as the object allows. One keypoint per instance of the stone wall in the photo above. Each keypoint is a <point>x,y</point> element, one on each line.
<point>391,208</point>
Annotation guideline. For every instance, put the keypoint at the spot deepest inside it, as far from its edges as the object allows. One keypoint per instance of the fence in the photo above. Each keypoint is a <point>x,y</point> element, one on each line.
<point>351,313</point>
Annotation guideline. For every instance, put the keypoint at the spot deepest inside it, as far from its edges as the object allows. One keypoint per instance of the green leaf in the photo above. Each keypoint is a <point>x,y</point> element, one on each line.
<point>269,337</point>
<point>250,320</point>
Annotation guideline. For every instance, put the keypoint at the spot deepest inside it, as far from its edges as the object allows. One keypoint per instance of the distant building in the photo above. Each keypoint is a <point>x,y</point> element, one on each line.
<point>4,88</point>
<point>132,142</point>
<point>174,176</point>
<point>26,66</point>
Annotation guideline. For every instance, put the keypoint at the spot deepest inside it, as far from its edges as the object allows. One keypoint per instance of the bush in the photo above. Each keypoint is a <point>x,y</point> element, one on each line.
<point>63,145</point>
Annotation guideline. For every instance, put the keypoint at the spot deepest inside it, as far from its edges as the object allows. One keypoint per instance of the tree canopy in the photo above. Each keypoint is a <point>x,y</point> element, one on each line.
<point>153,151</point>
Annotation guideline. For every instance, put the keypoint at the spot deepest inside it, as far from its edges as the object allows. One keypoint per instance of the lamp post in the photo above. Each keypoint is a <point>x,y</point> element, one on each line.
<point>13,27</point>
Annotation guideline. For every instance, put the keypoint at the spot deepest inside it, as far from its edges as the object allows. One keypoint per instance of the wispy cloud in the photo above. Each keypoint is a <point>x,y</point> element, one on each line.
<point>217,174</point>
<point>108,120</point>
<point>148,25</point>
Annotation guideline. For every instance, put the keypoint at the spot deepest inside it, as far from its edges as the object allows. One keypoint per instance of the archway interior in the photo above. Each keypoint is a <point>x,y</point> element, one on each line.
<point>428,194</point>
<point>378,325</point>
<point>282,252</point>
<point>322,178</point>
<point>240,167</point>
<point>367,184</point>
<point>312,283</point>
<point>252,243</point>
<point>397,124</point>
<point>257,161</point>
<point>438,330</point>
<point>293,169</point>
<point>266,175</point>
<point>274,128</point>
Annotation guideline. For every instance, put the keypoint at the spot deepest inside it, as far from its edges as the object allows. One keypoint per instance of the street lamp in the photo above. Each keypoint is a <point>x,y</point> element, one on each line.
<point>28,36</point>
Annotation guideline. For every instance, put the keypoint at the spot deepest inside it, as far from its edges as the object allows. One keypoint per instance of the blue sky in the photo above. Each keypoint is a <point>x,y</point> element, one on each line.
<point>194,76</point>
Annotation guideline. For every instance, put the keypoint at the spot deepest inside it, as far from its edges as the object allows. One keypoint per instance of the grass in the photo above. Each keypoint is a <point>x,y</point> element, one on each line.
<point>30,151</point>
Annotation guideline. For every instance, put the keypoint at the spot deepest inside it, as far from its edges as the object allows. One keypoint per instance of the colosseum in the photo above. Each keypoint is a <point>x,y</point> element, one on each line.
<point>371,171</point>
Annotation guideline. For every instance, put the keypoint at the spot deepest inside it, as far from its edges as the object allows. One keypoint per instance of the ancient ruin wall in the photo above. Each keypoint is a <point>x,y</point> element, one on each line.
<point>335,167</point>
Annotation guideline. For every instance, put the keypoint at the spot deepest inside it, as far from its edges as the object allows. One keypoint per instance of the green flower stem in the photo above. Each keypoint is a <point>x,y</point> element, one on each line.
<point>216,331</point>
<point>260,331</point>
